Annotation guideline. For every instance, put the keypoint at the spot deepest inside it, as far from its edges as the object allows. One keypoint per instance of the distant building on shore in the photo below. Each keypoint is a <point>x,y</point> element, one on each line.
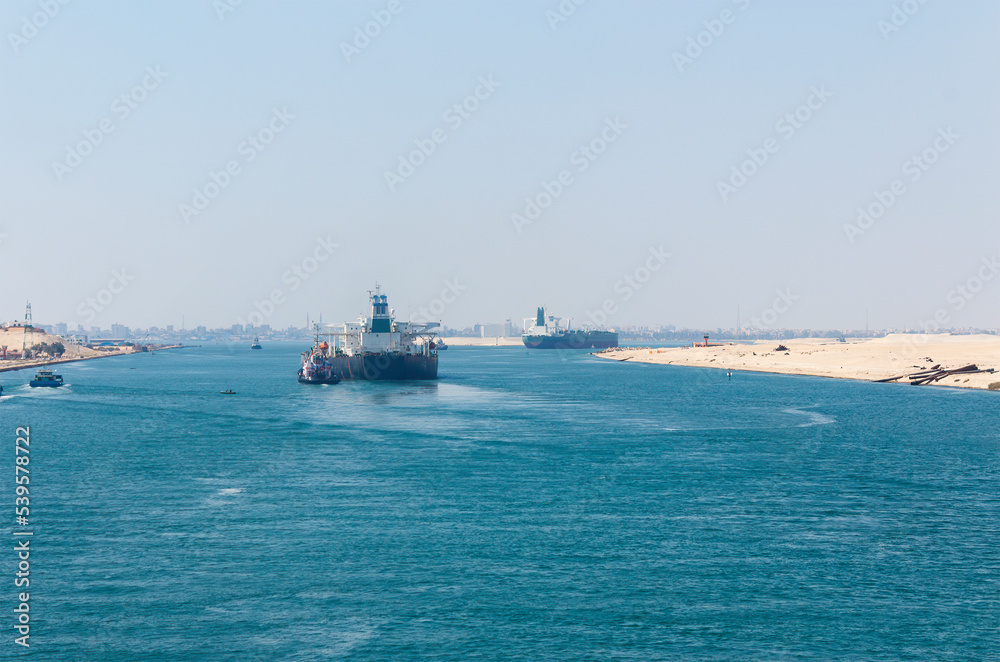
<point>493,330</point>
<point>106,342</point>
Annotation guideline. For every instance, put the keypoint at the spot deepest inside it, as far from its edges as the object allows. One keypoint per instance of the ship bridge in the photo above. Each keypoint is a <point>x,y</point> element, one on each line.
<point>380,333</point>
<point>546,325</point>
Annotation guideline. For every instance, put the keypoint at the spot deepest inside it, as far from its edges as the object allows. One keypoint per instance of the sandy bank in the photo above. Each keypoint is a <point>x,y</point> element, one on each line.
<point>7,366</point>
<point>13,338</point>
<point>868,359</point>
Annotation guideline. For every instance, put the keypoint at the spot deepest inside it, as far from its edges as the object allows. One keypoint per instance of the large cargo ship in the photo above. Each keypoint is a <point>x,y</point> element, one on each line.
<point>374,347</point>
<point>545,333</point>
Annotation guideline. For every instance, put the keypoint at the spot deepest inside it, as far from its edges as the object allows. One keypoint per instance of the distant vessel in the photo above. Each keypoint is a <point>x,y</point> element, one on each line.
<point>228,391</point>
<point>46,378</point>
<point>373,348</point>
<point>438,344</point>
<point>546,333</point>
<point>256,343</point>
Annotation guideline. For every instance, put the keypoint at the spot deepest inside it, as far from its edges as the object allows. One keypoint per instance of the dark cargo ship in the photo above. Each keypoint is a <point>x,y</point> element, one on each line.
<point>374,348</point>
<point>546,334</point>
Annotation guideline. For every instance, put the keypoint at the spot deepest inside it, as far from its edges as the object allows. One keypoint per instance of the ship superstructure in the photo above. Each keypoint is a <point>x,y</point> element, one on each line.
<point>546,333</point>
<point>375,347</point>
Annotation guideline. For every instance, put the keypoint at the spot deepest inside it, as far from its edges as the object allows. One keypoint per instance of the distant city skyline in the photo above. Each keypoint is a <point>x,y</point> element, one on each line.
<point>487,329</point>
<point>619,163</point>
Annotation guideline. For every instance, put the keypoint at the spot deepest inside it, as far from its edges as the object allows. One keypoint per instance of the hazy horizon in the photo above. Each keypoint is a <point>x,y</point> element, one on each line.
<point>196,159</point>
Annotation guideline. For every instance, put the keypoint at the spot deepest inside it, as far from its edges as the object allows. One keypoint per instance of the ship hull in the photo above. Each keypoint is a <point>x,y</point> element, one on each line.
<point>317,380</point>
<point>572,340</point>
<point>317,374</point>
<point>389,367</point>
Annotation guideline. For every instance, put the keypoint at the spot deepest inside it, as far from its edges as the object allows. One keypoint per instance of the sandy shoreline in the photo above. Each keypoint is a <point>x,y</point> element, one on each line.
<point>41,363</point>
<point>865,359</point>
<point>12,365</point>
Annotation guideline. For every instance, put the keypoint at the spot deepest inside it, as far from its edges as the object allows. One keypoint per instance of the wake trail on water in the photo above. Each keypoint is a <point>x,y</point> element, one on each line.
<point>815,418</point>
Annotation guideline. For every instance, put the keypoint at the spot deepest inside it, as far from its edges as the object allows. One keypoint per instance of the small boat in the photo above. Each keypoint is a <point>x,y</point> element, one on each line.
<point>256,343</point>
<point>46,378</point>
<point>228,391</point>
<point>317,370</point>
<point>438,344</point>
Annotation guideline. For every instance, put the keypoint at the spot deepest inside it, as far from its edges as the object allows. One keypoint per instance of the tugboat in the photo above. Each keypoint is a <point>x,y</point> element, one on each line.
<point>256,343</point>
<point>547,334</point>
<point>46,378</point>
<point>316,369</point>
<point>373,348</point>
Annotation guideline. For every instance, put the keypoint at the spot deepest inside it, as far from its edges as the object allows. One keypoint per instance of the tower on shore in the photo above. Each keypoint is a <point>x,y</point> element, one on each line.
<point>27,325</point>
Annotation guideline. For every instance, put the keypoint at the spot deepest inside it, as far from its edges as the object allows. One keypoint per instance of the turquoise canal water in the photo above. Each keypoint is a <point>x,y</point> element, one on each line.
<point>527,506</point>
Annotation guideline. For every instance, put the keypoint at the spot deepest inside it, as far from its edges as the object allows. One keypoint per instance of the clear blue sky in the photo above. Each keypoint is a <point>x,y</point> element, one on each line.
<point>879,97</point>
